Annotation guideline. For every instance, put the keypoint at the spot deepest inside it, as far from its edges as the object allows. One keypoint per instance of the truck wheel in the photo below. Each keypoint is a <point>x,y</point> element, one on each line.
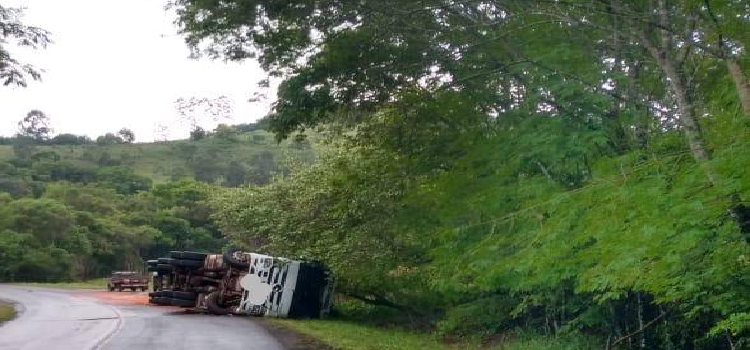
<point>111,289</point>
<point>184,295</point>
<point>120,289</point>
<point>212,304</point>
<point>143,289</point>
<point>132,289</point>
<point>189,263</point>
<point>164,268</point>
<point>232,261</point>
<point>182,302</point>
<point>162,301</point>
<point>193,256</point>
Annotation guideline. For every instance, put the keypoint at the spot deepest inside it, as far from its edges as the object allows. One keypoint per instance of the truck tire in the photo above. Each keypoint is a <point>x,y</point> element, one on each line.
<point>162,301</point>
<point>232,261</point>
<point>193,256</point>
<point>212,304</point>
<point>189,263</point>
<point>182,302</point>
<point>164,267</point>
<point>184,295</point>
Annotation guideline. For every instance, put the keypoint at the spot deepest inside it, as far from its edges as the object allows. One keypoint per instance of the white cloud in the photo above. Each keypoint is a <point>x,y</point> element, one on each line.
<point>119,64</point>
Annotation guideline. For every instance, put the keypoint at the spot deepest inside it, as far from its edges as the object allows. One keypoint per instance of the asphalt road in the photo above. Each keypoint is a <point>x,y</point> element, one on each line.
<point>57,319</point>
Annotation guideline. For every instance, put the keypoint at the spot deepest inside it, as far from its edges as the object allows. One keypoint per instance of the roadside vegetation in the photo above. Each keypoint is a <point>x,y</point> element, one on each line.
<point>343,334</point>
<point>7,312</point>
<point>562,167</point>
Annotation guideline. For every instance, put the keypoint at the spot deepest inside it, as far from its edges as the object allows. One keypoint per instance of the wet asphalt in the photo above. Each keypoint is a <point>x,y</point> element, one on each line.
<point>58,319</point>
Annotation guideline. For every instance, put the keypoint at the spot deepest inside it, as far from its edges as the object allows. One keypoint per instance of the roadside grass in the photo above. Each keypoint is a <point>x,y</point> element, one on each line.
<point>98,283</point>
<point>349,335</point>
<point>7,312</point>
<point>352,336</point>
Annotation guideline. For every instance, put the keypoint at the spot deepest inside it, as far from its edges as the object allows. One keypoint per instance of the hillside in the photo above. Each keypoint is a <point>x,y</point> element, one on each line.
<point>87,209</point>
<point>213,159</point>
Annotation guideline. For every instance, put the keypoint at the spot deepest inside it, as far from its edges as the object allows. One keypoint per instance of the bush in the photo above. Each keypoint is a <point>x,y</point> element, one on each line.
<point>70,139</point>
<point>482,316</point>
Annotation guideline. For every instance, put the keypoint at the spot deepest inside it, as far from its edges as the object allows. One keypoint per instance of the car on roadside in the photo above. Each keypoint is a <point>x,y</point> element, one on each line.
<point>121,280</point>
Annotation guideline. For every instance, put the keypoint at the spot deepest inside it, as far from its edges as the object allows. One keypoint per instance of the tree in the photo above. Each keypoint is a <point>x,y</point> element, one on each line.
<point>109,139</point>
<point>236,174</point>
<point>123,180</point>
<point>263,167</point>
<point>225,132</point>
<point>70,139</point>
<point>127,135</point>
<point>197,111</point>
<point>197,134</point>
<point>35,125</point>
<point>12,30</point>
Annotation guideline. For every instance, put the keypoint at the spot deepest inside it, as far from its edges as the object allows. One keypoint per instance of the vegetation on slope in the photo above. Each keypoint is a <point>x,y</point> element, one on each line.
<point>71,209</point>
<point>232,160</point>
<point>566,167</point>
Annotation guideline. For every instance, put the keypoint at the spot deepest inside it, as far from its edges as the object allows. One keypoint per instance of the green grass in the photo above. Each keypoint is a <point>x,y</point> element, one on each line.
<point>7,312</point>
<point>353,336</point>
<point>99,283</point>
<point>348,335</point>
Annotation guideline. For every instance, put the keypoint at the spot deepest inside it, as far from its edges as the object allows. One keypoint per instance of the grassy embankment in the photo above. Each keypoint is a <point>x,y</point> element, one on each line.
<point>353,336</point>
<point>7,312</point>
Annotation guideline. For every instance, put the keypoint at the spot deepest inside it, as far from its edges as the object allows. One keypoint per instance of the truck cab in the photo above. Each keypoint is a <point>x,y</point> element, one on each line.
<point>280,287</point>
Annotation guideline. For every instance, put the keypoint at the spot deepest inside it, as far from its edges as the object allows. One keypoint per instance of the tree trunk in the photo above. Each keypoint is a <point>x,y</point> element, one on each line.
<point>688,118</point>
<point>642,342</point>
<point>740,82</point>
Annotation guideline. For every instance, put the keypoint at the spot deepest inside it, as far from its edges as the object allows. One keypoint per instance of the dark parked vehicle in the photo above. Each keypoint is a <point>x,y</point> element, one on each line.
<point>121,280</point>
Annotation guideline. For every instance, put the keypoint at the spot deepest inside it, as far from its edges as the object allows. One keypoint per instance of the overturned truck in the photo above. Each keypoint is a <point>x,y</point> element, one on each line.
<point>242,283</point>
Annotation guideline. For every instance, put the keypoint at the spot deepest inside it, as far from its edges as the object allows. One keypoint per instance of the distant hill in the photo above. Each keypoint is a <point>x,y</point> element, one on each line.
<point>241,158</point>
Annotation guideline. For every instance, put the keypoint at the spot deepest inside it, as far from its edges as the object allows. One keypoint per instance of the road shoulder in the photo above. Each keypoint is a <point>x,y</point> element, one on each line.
<point>292,339</point>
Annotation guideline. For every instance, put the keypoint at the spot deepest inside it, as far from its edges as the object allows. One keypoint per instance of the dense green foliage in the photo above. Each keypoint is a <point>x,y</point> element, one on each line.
<point>72,209</point>
<point>564,166</point>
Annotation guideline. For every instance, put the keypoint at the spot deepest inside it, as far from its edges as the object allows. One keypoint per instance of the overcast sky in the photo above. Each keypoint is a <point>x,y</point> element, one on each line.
<point>116,64</point>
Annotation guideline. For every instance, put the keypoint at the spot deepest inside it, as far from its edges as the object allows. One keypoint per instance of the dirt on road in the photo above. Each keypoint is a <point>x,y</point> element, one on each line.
<point>116,298</point>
